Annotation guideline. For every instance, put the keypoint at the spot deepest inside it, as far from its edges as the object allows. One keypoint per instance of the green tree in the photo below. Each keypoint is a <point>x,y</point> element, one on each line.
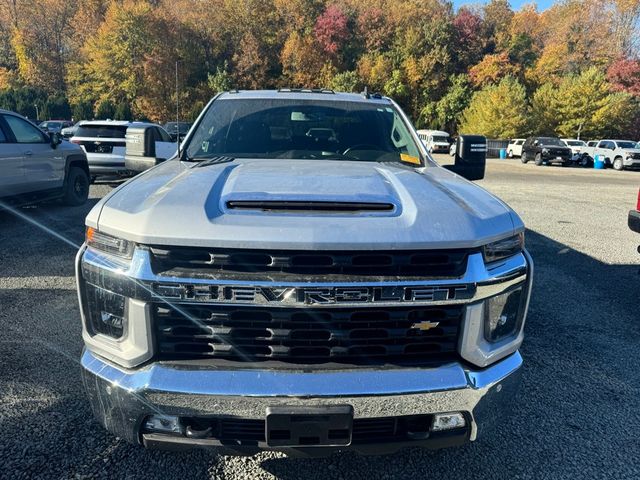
<point>544,110</point>
<point>450,107</point>
<point>497,111</point>
<point>220,81</point>
<point>345,82</point>
<point>123,111</point>
<point>105,110</point>
<point>583,105</point>
<point>82,111</point>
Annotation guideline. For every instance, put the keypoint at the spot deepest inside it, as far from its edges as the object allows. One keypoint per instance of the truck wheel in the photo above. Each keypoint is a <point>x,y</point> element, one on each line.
<point>76,189</point>
<point>538,159</point>
<point>523,158</point>
<point>618,164</point>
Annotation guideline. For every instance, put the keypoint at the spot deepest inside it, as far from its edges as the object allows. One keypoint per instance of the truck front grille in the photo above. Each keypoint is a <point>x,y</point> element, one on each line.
<point>423,263</point>
<point>409,334</point>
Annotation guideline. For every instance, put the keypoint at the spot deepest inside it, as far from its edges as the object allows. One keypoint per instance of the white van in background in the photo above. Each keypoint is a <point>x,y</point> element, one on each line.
<point>435,140</point>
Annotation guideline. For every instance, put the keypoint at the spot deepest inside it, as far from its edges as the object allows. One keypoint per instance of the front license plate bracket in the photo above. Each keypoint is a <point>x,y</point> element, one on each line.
<point>323,426</point>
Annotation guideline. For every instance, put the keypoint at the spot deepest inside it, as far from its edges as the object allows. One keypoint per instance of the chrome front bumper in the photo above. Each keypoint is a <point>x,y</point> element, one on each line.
<point>121,399</point>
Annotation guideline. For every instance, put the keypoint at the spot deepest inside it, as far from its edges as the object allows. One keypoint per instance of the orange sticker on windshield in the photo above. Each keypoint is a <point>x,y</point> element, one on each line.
<point>409,159</point>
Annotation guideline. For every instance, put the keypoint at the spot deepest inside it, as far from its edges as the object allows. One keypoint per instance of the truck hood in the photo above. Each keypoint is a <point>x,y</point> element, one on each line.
<point>179,203</point>
<point>630,150</point>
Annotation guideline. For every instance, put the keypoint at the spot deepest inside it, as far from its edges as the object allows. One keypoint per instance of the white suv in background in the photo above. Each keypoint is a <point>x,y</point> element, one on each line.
<point>104,143</point>
<point>514,149</point>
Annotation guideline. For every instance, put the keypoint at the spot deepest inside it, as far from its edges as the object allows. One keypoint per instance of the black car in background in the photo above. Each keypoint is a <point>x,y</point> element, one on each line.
<point>547,150</point>
<point>177,130</point>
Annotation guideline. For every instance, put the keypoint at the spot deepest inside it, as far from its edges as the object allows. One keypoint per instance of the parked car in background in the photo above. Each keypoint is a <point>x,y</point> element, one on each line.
<point>54,126</point>
<point>435,140</point>
<point>575,145</point>
<point>589,148</point>
<point>104,143</point>
<point>68,132</point>
<point>37,166</point>
<point>619,154</point>
<point>177,130</point>
<point>578,153</point>
<point>546,150</point>
<point>147,145</point>
<point>514,149</point>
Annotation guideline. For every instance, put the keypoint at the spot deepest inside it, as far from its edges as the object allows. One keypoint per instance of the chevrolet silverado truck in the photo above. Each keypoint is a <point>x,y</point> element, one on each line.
<point>304,278</point>
<point>619,154</point>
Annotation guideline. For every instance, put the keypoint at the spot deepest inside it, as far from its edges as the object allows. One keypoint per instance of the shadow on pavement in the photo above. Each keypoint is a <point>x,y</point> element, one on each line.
<point>27,250</point>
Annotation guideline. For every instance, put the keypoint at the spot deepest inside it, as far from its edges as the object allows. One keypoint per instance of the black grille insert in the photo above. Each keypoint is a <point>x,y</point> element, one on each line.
<point>298,206</point>
<point>422,263</point>
<point>365,430</point>
<point>395,335</point>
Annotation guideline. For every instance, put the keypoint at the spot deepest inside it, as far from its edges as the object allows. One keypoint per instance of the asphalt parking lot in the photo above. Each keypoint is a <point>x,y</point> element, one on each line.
<point>577,415</point>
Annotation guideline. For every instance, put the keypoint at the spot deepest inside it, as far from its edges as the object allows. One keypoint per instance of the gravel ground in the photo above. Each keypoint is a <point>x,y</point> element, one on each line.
<point>577,415</point>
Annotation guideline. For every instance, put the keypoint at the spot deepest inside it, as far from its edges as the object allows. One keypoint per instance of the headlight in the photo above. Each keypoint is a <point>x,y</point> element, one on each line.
<point>503,314</point>
<point>545,151</point>
<point>104,312</point>
<point>109,244</point>
<point>504,248</point>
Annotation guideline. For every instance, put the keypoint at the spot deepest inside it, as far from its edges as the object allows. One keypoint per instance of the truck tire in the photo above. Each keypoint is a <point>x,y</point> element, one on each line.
<point>585,160</point>
<point>76,190</point>
<point>523,157</point>
<point>538,160</point>
<point>618,163</point>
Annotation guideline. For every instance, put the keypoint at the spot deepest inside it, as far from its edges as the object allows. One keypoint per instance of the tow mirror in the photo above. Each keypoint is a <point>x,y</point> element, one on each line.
<point>55,138</point>
<point>470,157</point>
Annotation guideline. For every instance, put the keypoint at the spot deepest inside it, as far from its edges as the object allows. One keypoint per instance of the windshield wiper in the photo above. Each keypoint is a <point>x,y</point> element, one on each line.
<point>213,160</point>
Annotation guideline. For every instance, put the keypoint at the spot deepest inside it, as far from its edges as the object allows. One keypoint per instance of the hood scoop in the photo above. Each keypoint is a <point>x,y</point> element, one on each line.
<point>306,206</point>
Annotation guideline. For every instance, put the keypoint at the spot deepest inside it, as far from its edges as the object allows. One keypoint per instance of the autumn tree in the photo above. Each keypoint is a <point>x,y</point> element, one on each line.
<point>469,42</point>
<point>624,76</point>
<point>491,69</point>
<point>303,63</point>
<point>497,111</point>
<point>583,105</point>
<point>331,30</point>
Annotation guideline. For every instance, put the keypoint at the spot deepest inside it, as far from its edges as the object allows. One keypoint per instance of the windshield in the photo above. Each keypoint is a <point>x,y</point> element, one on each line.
<point>303,129</point>
<point>626,144</point>
<point>554,142</point>
<point>102,131</point>
<point>575,143</point>
<point>440,139</point>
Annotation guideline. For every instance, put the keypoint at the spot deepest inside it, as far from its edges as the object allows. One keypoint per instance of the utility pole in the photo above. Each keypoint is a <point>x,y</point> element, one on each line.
<point>177,111</point>
<point>37,114</point>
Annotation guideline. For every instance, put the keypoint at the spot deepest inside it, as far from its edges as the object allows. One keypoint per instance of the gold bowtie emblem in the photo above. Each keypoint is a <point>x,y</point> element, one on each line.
<point>424,326</point>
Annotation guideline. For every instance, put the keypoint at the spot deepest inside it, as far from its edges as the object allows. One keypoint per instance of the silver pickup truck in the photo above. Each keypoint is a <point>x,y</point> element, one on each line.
<point>304,278</point>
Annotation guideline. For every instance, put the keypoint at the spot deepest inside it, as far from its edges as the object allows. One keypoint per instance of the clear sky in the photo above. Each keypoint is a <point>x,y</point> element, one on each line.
<point>515,4</point>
